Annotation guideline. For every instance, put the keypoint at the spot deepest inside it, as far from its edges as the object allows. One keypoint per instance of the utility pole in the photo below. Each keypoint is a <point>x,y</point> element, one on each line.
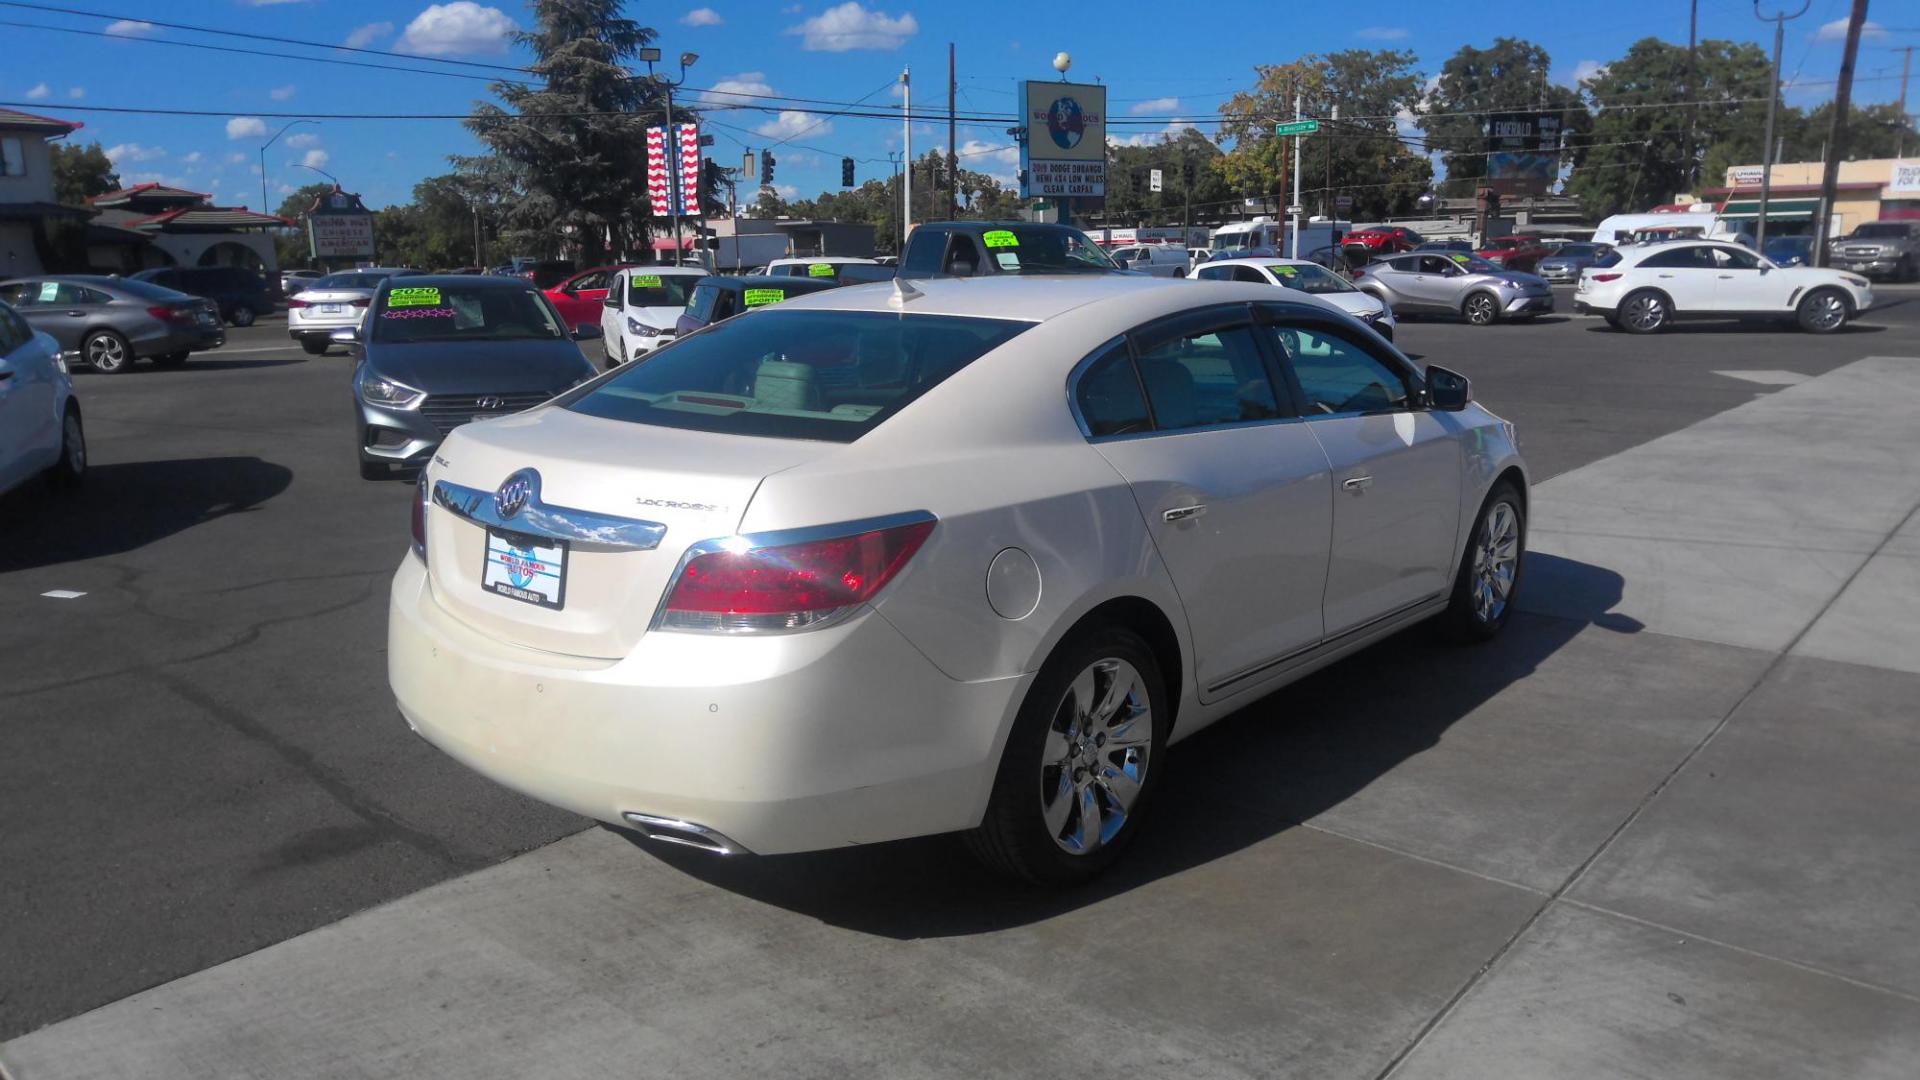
<point>1326,196</point>
<point>1837,140</point>
<point>1773,99</point>
<point>1906,66</point>
<point>1693,110</point>
<point>1293,251</point>
<point>953,159</point>
<point>906,135</point>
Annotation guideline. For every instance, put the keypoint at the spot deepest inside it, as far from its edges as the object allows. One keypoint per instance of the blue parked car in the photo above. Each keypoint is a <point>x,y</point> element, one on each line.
<point>1789,250</point>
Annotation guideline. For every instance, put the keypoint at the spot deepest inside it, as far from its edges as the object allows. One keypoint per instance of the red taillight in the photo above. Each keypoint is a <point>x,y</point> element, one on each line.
<point>791,586</point>
<point>166,313</point>
<point>361,301</point>
<point>420,518</point>
<point>1356,272</point>
<point>294,302</point>
<point>1606,277</point>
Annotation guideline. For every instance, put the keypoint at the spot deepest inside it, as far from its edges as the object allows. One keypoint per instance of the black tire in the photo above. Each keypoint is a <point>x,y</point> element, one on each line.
<point>71,470</point>
<point>1823,311</point>
<point>1481,308</point>
<point>1015,837</point>
<point>1645,312</point>
<point>107,352</point>
<point>171,360</point>
<point>374,470</point>
<point>241,315</point>
<point>1467,618</point>
<point>314,346</point>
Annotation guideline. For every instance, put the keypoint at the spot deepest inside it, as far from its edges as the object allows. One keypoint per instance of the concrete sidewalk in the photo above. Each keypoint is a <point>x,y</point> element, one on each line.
<point>1663,827</point>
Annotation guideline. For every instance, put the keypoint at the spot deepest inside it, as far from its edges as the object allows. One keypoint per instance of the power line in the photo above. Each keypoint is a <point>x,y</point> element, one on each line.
<point>248,52</point>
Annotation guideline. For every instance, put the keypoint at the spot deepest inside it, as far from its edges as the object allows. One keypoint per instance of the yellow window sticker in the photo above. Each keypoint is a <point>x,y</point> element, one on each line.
<point>414,296</point>
<point>820,270</point>
<point>647,281</point>
<point>757,297</point>
<point>1459,258</point>
<point>997,238</point>
<point>1285,271</point>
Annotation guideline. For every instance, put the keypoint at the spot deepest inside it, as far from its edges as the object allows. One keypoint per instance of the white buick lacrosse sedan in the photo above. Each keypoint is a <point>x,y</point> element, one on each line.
<point>967,554</point>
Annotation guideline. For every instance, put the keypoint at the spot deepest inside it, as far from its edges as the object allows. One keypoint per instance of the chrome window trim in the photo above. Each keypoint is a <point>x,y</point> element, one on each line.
<point>805,534</point>
<point>540,518</point>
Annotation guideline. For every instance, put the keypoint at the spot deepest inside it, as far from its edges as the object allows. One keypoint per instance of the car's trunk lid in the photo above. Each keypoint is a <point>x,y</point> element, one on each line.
<point>696,484</point>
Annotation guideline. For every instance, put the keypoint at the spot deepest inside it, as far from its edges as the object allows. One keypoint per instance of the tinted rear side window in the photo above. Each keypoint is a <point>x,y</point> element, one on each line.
<point>829,375</point>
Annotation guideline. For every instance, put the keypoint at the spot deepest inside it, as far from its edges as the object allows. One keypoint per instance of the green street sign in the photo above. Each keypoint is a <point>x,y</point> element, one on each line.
<point>1297,127</point>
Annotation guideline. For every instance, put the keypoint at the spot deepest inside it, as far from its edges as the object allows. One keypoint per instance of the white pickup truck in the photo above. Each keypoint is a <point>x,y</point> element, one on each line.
<point>1160,260</point>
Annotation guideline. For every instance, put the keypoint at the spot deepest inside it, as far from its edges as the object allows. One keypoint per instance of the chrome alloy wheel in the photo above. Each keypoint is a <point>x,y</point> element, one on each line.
<point>1644,312</point>
<point>106,352</point>
<point>1481,309</point>
<point>1095,756</point>
<point>1496,556</point>
<point>1826,311</point>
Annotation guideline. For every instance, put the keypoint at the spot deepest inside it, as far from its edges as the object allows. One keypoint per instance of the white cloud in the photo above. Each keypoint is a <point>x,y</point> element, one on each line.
<point>747,82</point>
<point>1837,31</point>
<point>236,159</point>
<point>1154,105</point>
<point>315,159</point>
<point>303,140</point>
<point>704,16</point>
<point>130,28</point>
<point>192,158</point>
<point>1155,138</point>
<point>980,156</point>
<point>246,127</point>
<point>282,93</point>
<point>789,124</point>
<point>133,152</point>
<point>39,91</point>
<point>851,26</point>
<point>1586,69</point>
<point>1381,33</point>
<point>786,191</point>
<point>77,92</point>
<point>368,34</point>
<point>460,28</point>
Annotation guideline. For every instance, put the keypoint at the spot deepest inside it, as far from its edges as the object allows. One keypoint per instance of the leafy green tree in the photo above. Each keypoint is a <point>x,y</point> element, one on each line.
<point>1644,149</point>
<point>1509,76</point>
<point>1363,154</point>
<point>81,172</point>
<point>1873,131</point>
<point>1189,154</point>
<point>290,244</point>
<point>573,151</point>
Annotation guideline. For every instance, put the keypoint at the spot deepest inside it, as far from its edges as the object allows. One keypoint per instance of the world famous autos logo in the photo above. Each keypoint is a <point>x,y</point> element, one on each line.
<point>1066,123</point>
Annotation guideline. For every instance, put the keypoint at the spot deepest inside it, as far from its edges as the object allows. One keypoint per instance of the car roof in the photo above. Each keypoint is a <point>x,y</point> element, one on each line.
<point>1036,297</point>
<point>768,281</point>
<point>75,279</point>
<point>784,259</point>
<point>1275,260</point>
<point>647,268</point>
<point>466,281</point>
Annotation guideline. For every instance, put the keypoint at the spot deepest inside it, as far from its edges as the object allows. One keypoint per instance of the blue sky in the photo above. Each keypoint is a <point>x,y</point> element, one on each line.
<point>1156,66</point>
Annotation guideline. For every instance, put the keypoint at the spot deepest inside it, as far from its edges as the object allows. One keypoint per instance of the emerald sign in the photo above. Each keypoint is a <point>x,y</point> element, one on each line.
<point>1297,127</point>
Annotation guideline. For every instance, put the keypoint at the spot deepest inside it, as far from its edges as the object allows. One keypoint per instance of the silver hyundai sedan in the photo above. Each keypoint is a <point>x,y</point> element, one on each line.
<point>951,555</point>
<point>1454,283</point>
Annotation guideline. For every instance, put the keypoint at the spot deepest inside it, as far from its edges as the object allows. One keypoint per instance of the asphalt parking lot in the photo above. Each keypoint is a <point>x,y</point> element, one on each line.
<point>1663,826</point>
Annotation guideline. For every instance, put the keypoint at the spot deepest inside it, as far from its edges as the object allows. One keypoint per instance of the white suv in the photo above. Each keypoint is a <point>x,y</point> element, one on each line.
<point>1652,285</point>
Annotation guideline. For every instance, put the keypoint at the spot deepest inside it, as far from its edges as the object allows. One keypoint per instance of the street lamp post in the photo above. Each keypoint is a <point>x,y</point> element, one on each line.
<point>322,172</point>
<point>1773,96</point>
<point>263,157</point>
<point>672,143</point>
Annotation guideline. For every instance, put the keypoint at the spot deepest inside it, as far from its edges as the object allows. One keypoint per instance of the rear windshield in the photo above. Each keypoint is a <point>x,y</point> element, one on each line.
<point>1577,249</point>
<point>828,375</point>
<point>1016,250</point>
<point>660,290</point>
<point>349,281</point>
<point>1310,279</point>
<point>464,313</point>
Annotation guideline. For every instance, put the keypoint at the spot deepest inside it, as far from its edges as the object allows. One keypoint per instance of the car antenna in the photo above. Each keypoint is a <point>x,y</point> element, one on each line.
<point>903,292</point>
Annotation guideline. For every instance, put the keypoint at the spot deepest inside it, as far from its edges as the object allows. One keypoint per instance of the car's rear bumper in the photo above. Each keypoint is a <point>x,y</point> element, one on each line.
<point>176,339</point>
<point>782,743</point>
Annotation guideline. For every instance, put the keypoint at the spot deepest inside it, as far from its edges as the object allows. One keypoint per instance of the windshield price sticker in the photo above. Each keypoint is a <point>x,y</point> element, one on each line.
<point>999,238</point>
<point>415,296</point>
<point>1285,271</point>
<point>1007,260</point>
<point>820,270</point>
<point>648,281</point>
<point>758,297</point>
<point>419,313</point>
<point>1459,258</point>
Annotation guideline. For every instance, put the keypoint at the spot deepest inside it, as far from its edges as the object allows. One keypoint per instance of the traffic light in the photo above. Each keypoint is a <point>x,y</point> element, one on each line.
<point>846,172</point>
<point>766,169</point>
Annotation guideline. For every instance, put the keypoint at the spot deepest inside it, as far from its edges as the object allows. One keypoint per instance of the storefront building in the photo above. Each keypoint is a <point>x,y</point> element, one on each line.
<point>1882,189</point>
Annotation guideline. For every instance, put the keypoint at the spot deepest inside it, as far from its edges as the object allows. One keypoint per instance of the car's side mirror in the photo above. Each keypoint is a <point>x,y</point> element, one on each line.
<point>586,332</point>
<point>350,337</point>
<point>1447,390</point>
<point>612,299</point>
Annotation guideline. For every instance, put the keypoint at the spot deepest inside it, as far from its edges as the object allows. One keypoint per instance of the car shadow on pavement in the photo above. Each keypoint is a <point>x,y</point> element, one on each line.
<point>1265,769</point>
<point>123,507</point>
<point>1731,326</point>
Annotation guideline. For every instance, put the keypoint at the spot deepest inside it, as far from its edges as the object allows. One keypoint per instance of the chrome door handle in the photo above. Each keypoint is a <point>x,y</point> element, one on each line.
<point>1663,275</point>
<point>1356,483</point>
<point>1182,513</point>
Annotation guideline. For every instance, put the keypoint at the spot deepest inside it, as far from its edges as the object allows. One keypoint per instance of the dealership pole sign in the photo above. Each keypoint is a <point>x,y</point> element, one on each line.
<point>1065,152</point>
<point>339,226</point>
<point>1523,152</point>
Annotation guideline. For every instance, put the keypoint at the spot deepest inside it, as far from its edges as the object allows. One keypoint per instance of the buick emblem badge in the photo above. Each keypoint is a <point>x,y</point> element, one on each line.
<point>515,492</point>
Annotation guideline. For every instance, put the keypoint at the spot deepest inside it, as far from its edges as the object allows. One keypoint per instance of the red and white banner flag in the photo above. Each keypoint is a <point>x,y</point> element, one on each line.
<point>659,179</point>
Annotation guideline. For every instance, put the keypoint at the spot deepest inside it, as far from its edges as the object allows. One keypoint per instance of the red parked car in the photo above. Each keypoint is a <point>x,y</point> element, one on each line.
<point>580,296</point>
<point>1385,239</point>
<point>1521,253</point>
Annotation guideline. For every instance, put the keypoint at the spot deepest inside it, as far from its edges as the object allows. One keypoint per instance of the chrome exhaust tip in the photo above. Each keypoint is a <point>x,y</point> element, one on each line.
<point>684,833</point>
